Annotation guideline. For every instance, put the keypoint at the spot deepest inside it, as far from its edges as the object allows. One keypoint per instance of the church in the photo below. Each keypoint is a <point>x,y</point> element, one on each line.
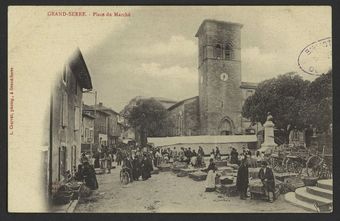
<point>217,110</point>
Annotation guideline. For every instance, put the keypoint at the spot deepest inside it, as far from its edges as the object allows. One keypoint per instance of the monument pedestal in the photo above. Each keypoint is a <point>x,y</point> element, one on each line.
<point>268,143</point>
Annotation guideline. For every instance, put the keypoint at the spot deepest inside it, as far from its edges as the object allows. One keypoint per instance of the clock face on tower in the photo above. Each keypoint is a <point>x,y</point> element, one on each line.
<point>224,76</point>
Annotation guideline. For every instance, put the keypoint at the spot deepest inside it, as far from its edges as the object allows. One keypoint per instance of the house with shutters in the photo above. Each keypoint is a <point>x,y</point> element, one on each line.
<point>65,119</point>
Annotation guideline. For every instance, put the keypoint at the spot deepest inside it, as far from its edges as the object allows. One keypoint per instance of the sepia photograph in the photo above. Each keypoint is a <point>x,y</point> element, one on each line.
<point>170,109</point>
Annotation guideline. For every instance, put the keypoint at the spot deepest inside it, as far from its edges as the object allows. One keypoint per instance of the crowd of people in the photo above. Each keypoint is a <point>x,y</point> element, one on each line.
<point>170,155</point>
<point>244,160</point>
<point>140,162</point>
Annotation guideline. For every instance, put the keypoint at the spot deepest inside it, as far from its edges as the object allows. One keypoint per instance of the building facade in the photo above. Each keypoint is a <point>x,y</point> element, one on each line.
<point>114,127</point>
<point>108,126</point>
<point>66,119</point>
<point>87,134</point>
<point>218,108</point>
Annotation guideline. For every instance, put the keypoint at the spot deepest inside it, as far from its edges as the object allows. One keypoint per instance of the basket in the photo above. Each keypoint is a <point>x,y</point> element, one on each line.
<point>256,186</point>
<point>198,176</point>
<point>62,197</point>
<point>310,181</point>
<point>226,180</point>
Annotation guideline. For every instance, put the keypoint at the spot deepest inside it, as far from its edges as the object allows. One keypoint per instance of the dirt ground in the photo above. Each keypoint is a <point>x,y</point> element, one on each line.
<point>165,192</point>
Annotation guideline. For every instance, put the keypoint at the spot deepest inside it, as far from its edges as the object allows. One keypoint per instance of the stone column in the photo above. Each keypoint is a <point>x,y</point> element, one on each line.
<point>268,134</point>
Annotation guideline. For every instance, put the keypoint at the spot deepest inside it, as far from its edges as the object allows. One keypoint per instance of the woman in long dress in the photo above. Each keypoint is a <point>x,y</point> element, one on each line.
<point>90,176</point>
<point>210,181</point>
<point>145,168</point>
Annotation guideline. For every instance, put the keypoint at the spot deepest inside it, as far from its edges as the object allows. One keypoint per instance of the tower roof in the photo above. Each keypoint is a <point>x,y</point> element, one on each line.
<point>218,22</point>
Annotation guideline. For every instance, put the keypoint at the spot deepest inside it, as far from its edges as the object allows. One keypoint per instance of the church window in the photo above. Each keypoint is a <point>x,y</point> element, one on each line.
<point>218,51</point>
<point>180,124</point>
<point>228,52</point>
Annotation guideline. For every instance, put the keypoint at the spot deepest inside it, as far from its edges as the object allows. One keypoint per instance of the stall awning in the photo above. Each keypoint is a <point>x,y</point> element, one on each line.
<point>165,141</point>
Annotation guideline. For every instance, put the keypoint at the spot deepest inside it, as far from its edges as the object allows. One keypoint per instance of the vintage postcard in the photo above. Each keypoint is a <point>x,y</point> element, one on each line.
<point>170,109</point>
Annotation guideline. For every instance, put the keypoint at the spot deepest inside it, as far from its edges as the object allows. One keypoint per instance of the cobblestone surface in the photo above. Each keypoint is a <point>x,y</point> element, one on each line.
<point>165,192</point>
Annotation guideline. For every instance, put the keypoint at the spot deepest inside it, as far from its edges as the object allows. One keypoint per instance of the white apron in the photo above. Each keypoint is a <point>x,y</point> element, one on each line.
<point>210,181</point>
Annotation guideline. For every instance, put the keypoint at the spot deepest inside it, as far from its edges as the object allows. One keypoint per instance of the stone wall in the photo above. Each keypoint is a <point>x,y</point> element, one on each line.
<point>219,99</point>
<point>184,118</point>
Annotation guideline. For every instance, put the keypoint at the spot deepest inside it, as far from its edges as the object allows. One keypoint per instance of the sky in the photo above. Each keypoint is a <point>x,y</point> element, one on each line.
<point>155,53</point>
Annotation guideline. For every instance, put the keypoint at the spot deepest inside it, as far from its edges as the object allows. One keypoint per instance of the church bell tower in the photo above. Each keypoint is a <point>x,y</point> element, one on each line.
<point>219,69</point>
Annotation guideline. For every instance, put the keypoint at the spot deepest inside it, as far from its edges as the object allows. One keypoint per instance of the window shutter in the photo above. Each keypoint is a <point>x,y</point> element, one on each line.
<point>65,110</point>
<point>76,118</point>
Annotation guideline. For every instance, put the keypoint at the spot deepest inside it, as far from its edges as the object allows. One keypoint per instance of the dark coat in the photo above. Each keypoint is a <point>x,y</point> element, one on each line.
<point>128,163</point>
<point>234,157</point>
<point>211,166</point>
<point>200,152</point>
<point>267,179</point>
<point>90,177</point>
<point>242,180</point>
<point>146,169</point>
<point>136,172</point>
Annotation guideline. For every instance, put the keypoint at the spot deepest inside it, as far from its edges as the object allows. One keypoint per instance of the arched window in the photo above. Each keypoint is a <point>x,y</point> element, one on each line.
<point>228,52</point>
<point>218,51</point>
<point>226,127</point>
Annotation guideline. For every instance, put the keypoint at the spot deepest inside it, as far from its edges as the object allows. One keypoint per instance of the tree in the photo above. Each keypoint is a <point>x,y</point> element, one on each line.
<point>147,116</point>
<point>318,105</point>
<point>284,97</point>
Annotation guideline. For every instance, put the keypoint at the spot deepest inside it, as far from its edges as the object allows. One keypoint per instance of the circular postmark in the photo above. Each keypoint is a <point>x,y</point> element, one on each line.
<point>316,58</point>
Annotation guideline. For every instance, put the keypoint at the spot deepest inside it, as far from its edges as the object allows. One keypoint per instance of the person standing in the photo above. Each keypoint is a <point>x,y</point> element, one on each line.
<point>210,180</point>
<point>267,177</point>
<point>218,154</point>
<point>119,157</point>
<point>89,175</point>
<point>109,162</point>
<point>242,179</point>
<point>136,171</point>
<point>212,154</point>
<point>200,151</point>
<point>96,160</point>
<point>234,156</point>
<point>127,163</point>
<point>145,168</point>
<point>150,166</point>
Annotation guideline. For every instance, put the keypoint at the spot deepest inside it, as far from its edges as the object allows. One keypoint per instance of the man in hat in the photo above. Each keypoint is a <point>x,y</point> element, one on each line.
<point>242,180</point>
<point>267,177</point>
